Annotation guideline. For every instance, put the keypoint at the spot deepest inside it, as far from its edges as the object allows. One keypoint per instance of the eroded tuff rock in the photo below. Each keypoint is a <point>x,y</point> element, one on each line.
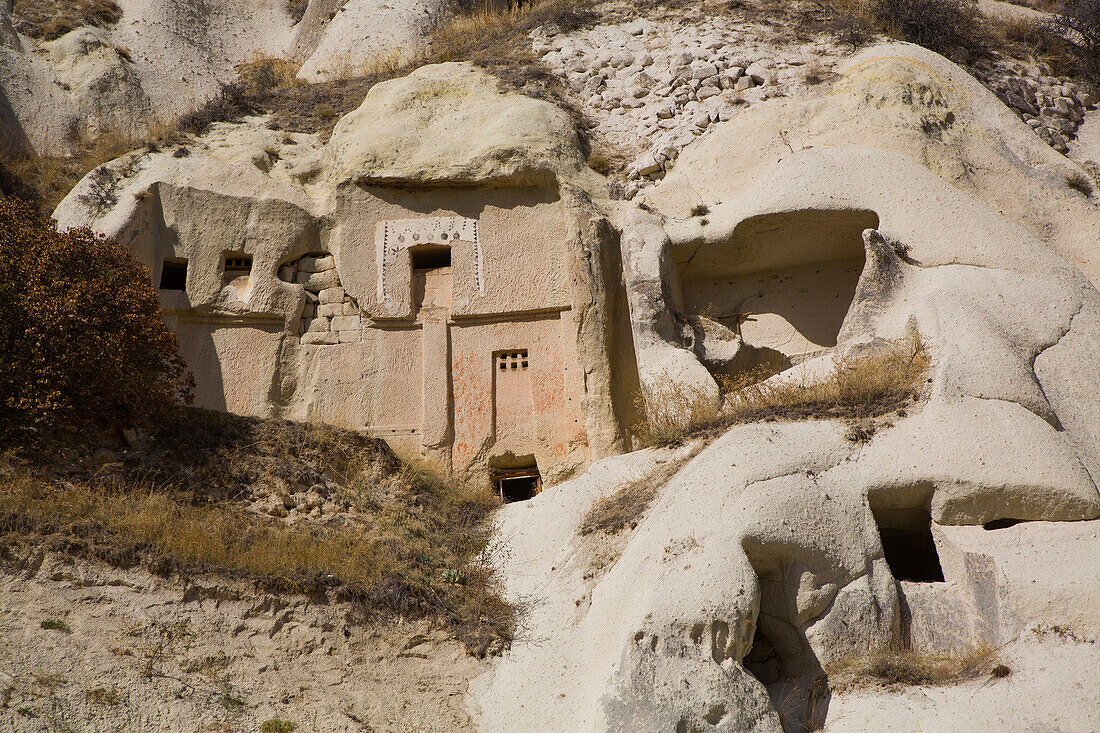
<point>908,202</point>
<point>837,224</point>
<point>450,123</point>
<point>436,273</point>
<point>165,58</point>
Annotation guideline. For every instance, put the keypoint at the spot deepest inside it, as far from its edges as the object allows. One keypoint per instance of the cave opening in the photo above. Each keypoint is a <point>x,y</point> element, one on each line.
<point>173,274</point>
<point>784,282</point>
<point>763,661</point>
<point>517,484</point>
<point>908,545</point>
<point>781,660</point>
<point>995,524</point>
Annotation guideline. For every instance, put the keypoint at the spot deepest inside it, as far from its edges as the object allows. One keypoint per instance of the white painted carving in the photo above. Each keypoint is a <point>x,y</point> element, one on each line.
<point>392,236</point>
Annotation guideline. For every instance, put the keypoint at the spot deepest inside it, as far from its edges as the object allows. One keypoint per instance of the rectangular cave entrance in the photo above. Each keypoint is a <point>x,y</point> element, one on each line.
<point>173,274</point>
<point>517,484</point>
<point>908,545</point>
<point>431,278</point>
<point>784,281</point>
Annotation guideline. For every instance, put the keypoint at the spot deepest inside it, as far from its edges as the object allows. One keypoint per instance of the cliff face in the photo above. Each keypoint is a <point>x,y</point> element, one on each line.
<point>775,553</point>
<point>448,273</point>
<point>436,274</point>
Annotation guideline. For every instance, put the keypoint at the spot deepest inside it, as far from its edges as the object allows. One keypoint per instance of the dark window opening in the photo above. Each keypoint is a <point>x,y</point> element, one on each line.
<point>430,257</point>
<point>518,484</point>
<point>1002,523</point>
<point>908,545</point>
<point>512,360</point>
<point>237,265</point>
<point>173,275</point>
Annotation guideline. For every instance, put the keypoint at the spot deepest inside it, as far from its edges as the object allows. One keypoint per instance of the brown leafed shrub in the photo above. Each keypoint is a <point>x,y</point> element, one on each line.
<point>944,26</point>
<point>82,341</point>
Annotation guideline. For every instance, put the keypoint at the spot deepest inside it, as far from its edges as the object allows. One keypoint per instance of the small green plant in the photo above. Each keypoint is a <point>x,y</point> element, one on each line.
<point>452,576</point>
<point>52,624</point>
<point>277,725</point>
<point>103,696</point>
<point>700,210</point>
<point>231,702</point>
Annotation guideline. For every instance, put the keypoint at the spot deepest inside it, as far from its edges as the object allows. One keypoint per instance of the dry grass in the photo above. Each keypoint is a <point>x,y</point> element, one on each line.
<point>44,180</point>
<point>675,411</point>
<point>855,390</point>
<point>1080,182</point>
<point>914,666</point>
<point>1046,6</point>
<point>412,543</point>
<point>1034,40</point>
<point>624,508</point>
<point>50,19</point>
<point>486,34</point>
<point>814,72</point>
<point>956,28</point>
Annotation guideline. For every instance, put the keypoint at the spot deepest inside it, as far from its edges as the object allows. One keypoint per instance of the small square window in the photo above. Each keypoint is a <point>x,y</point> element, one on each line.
<point>238,265</point>
<point>512,360</point>
<point>173,275</point>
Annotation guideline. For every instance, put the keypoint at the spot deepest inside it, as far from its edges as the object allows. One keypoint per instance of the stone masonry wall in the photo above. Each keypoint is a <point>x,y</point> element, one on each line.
<point>330,315</point>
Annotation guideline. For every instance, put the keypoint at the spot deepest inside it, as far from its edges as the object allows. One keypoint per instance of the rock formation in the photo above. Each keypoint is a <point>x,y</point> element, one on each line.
<point>769,544</point>
<point>447,273</point>
<point>436,274</point>
<point>163,59</point>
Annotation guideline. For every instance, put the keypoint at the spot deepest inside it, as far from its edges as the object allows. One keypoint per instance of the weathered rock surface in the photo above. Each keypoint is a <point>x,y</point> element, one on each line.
<point>335,38</point>
<point>146,654</point>
<point>450,123</point>
<point>772,535</point>
<point>163,59</point>
<point>908,202</point>
<point>413,351</point>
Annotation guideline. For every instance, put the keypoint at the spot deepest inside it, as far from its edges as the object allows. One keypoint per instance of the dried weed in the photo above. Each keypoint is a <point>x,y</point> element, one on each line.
<point>911,666</point>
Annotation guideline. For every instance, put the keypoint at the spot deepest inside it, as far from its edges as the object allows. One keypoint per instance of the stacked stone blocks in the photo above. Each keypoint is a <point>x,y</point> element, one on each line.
<point>330,315</point>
